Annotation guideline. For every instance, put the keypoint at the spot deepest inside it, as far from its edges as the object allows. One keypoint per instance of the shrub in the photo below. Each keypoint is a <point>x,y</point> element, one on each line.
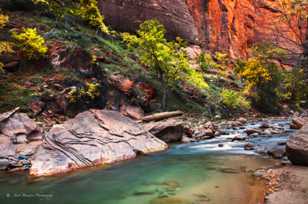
<point>267,83</point>
<point>4,19</point>
<point>30,43</point>
<point>85,94</point>
<point>254,72</point>
<point>5,48</point>
<point>90,12</point>
<point>219,62</point>
<point>295,90</point>
<point>234,100</point>
<point>206,62</point>
<point>87,10</point>
<point>262,80</point>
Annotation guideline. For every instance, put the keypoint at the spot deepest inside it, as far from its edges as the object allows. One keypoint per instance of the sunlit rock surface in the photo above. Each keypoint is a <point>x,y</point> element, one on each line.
<point>91,138</point>
<point>220,25</point>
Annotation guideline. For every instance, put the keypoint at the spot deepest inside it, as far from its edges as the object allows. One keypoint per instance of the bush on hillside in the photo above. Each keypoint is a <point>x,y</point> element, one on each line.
<point>87,10</point>
<point>30,42</point>
<point>234,100</point>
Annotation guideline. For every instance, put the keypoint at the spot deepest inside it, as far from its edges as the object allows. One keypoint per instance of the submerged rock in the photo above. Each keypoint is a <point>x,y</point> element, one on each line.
<point>297,147</point>
<point>277,152</point>
<point>91,138</point>
<point>249,146</point>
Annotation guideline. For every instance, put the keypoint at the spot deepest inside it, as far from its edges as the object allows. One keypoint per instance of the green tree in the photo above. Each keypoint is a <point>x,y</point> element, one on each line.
<point>165,58</point>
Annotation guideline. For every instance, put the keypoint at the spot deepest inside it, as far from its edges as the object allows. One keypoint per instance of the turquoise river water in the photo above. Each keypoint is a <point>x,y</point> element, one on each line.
<point>186,174</point>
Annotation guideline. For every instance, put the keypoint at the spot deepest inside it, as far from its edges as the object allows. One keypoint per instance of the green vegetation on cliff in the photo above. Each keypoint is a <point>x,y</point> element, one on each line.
<point>59,58</point>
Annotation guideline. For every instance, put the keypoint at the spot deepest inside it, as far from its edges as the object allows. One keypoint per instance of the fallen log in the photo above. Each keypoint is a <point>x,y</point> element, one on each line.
<point>8,114</point>
<point>161,116</point>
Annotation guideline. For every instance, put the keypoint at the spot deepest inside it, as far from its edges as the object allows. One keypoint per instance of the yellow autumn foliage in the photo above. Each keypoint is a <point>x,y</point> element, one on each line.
<point>30,42</point>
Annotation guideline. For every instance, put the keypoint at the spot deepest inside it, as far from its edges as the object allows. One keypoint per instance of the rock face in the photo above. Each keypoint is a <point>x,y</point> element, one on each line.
<point>126,15</point>
<point>19,138</point>
<point>91,138</point>
<point>219,25</point>
<point>297,147</point>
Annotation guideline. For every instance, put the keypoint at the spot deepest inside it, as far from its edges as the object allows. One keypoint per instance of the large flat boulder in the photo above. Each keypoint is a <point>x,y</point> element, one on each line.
<point>297,147</point>
<point>91,138</point>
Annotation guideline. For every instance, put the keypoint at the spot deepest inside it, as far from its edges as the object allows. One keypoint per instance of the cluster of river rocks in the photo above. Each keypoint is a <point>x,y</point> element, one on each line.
<point>98,137</point>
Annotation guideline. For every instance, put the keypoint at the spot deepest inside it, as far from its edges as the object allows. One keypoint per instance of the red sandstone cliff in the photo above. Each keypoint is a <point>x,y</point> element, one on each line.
<point>219,25</point>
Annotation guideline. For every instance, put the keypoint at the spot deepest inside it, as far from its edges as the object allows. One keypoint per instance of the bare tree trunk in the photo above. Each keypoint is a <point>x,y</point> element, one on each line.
<point>164,89</point>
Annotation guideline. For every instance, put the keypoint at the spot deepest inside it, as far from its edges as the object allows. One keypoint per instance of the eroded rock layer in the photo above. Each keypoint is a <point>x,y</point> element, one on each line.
<point>91,138</point>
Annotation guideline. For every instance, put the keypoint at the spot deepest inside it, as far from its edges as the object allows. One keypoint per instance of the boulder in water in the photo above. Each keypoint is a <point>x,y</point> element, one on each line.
<point>297,147</point>
<point>170,130</point>
<point>252,131</point>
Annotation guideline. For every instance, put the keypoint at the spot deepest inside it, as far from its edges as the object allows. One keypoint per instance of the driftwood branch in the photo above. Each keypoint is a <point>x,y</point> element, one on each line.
<point>161,116</point>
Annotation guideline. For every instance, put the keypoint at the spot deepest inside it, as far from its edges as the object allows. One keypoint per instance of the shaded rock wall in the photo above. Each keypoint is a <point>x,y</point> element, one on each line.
<point>219,25</point>
<point>126,15</point>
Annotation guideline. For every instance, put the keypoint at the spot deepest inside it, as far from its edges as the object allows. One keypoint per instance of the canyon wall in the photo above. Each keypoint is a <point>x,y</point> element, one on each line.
<point>219,25</point>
